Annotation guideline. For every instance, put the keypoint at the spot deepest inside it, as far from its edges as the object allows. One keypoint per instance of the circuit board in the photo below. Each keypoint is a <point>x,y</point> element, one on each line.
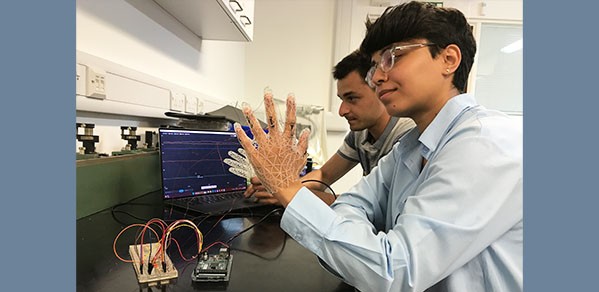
<point>213,268</point>
<point>148,274</point>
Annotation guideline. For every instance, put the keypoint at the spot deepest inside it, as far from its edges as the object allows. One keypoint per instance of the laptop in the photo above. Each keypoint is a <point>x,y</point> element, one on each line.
<point>194,176</point>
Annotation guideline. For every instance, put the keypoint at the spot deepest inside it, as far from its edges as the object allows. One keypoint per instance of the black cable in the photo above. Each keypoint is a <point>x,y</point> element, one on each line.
<point>150,253</point>
<point>133,204</point>
<point>182,266</point>
<point>254,225</point>
<point>130,202</point>
<point>136,198</point>
<point>128,214</point>
<point>325,184</point>
<point>263,257</point>
<point>201,218</point>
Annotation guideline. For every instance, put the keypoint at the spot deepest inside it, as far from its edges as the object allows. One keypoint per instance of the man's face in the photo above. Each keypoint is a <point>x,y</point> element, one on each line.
<point>411,87</point>
<point>359,104</point>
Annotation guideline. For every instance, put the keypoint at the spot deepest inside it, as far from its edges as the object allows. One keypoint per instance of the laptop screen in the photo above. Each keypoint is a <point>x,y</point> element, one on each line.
<point>192,162</point>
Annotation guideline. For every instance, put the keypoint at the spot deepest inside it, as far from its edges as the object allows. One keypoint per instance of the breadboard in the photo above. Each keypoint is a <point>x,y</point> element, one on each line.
<point>157,276</point>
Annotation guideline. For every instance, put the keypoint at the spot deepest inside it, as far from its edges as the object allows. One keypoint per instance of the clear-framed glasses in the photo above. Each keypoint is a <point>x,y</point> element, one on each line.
<point>388,58</point>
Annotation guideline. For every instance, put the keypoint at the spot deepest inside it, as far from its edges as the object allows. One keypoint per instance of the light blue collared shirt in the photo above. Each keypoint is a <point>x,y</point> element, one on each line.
<point>454,226</point>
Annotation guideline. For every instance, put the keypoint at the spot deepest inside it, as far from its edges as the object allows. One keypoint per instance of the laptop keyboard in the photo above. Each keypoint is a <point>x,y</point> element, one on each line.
<point>211,199</point>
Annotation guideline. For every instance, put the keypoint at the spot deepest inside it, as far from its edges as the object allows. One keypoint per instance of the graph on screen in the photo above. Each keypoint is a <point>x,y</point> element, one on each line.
<point>192,162</point>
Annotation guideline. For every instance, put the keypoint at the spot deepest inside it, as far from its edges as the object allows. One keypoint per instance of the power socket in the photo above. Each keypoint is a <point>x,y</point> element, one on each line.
<point>191,104</point>
<point>96,83</point>
<point>177,101</point>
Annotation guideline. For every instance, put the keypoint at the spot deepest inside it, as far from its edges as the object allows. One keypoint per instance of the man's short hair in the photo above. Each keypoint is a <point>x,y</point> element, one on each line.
<point>419,20</point>
<point>356,61</point>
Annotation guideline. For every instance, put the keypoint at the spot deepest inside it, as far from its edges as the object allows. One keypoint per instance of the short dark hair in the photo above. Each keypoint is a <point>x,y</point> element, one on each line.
<point>414,20</point>
<point>356,61</point>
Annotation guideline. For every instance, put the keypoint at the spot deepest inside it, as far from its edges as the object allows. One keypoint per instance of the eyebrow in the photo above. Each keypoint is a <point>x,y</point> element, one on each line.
<point>346,94</point>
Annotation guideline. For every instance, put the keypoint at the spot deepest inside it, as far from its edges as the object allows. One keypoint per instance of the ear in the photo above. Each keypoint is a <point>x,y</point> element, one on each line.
<point>452,56</point>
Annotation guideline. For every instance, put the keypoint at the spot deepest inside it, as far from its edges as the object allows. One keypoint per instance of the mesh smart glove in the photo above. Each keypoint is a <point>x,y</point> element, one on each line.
<point>277,156</point>
<point>240,165</point>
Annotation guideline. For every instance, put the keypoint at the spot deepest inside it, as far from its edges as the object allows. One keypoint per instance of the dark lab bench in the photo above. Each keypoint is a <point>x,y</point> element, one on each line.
<point>264,258</point>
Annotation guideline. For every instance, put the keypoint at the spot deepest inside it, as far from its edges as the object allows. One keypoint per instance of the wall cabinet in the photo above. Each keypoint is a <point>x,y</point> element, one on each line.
<point>214,19</point>
<point>227,20</point>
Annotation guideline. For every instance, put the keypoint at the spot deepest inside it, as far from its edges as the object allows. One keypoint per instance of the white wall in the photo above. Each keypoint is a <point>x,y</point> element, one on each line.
<point>291,51</point>
<point>117,32</point>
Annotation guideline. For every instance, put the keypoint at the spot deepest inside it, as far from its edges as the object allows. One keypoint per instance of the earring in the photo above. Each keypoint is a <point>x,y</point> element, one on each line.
<point>447,70</point>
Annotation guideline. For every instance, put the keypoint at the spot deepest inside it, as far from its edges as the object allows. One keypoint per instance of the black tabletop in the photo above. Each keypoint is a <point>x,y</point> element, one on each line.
<point>264,257</point>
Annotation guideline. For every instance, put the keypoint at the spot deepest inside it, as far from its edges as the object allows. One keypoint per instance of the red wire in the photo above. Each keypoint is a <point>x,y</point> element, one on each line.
<point>171,227</point>
<point>159,222</point>
<point>181,253</point>
<point>118,235</point>
<point>212,244</point>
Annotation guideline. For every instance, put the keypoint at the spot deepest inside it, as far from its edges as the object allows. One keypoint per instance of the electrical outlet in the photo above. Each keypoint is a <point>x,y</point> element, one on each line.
<point>96,83</point>
<point>191,104</point>
<point>81,79</point>
<point>177,101</point>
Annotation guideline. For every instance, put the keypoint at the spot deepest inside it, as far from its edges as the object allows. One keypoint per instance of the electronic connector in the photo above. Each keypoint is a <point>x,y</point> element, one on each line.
<point>213,268</point>
<point>147,273</point>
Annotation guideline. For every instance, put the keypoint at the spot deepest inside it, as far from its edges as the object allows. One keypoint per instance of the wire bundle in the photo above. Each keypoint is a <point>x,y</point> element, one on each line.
<point>160,238</point>
<point>164,240</point>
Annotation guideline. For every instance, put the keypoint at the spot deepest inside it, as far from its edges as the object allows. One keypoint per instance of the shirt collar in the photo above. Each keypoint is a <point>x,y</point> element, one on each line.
<point>378,144</point>
<point>390,125</point>
<point>440,125</point>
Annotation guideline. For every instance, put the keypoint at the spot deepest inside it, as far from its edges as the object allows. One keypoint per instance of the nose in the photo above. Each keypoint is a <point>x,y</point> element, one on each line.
<point>343,109</point>
<point>378,77</point>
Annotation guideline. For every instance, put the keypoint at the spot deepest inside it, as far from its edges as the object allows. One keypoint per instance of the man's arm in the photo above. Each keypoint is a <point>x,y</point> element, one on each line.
<point>429,240</point>
<point>329,173</point>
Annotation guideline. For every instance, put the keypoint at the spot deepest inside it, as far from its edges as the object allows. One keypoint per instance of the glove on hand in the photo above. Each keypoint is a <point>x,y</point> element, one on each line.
<point>278,158</point>
<point>240,165</point>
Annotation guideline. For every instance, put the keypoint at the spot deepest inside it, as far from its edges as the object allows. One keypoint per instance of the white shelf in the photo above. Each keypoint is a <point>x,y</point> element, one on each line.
<point>225,20</point>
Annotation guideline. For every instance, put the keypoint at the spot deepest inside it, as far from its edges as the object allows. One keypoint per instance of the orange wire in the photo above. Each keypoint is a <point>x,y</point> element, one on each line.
<point>167,238</point>
<point>143,232</point>
<point>117,237</point>
<point>181,253</point>
<point>212,244</point>
<point>163,240</point>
